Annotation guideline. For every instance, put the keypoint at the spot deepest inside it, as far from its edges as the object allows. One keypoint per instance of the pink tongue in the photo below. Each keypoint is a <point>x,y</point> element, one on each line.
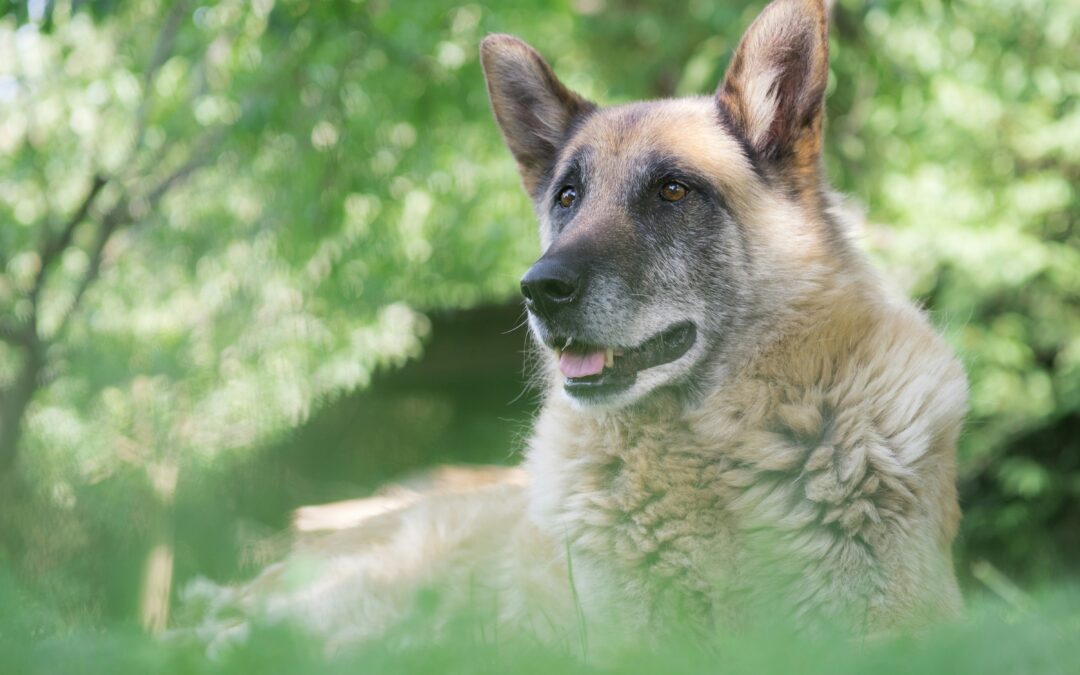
<point>581,365</point>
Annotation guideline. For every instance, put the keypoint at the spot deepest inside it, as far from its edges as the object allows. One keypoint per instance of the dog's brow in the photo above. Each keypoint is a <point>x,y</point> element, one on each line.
<point>572,166</point>
<point>658,166</point>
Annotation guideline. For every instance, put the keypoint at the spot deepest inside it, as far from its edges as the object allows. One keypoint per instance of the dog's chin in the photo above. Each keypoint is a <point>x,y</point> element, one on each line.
<point>629,374</point>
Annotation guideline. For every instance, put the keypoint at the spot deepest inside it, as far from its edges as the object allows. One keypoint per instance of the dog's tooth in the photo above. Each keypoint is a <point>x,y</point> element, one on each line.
<point>569,341</point>
<point>558,354</point>
<point>609,357</point>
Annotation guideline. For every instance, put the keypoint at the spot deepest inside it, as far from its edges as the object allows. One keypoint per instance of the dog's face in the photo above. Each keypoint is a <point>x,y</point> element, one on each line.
<point>644,264</point>
<point>650,212</point>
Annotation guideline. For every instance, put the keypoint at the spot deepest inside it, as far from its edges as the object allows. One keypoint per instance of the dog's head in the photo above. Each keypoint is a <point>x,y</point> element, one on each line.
<point>664,223</point>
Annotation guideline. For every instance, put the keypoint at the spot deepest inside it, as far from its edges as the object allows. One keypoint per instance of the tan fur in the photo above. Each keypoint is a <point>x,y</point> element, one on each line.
<point>827,460</point>
<point>814,476</point>
<point>824,455</point>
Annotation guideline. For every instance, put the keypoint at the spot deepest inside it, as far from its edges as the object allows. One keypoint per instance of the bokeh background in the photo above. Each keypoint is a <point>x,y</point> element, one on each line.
<point>259,254</point>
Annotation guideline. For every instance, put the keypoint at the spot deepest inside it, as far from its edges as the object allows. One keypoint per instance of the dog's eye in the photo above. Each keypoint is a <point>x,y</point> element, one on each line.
<point>567,197</point>
<point>673,191</point>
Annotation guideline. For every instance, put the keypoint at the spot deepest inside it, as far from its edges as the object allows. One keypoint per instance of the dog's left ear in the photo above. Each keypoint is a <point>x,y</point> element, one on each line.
<point>534,109</point>
<point>773,93</point>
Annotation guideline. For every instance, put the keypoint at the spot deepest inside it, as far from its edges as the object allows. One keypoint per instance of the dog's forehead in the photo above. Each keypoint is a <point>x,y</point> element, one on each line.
<point>617,143</point>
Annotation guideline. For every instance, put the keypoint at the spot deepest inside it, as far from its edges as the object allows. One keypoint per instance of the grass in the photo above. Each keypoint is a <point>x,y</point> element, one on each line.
<point>995,637</point>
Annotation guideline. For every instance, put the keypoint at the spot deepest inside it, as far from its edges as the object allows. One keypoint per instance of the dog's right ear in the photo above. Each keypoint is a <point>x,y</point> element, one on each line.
<point>533,108</point>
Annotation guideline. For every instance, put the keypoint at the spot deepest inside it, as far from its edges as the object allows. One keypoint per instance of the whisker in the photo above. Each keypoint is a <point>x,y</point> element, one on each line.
<point>523,322</point>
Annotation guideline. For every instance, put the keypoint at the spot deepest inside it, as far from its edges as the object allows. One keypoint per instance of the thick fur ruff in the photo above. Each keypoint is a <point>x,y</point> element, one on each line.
<point>819,478</point>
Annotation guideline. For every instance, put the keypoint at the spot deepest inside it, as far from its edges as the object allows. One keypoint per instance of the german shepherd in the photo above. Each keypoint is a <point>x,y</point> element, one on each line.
<point>739,413</point>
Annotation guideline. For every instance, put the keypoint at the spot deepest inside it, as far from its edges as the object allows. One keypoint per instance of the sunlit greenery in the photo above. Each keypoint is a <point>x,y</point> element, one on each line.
<point>218,218</point>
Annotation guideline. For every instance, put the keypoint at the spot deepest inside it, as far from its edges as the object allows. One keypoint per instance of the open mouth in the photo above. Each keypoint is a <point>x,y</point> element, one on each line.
<point>593,371</point>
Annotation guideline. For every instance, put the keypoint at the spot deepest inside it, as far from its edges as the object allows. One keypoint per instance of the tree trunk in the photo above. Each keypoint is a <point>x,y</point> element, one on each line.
<point>14,402</point>
<point>157,577</point>
<point>156,588</point>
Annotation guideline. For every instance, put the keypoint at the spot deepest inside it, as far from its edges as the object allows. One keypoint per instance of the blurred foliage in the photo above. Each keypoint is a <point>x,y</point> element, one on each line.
<point>216,218</point>
<point>996,640</point>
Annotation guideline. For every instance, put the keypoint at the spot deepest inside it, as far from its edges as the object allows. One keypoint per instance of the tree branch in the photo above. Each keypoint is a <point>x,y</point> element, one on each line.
<point>12,334</point>
<point>163,46</point>
<point>120,216</point>
<point>50,249</point>
<point>63,239</point>
<point>18,396</point>
<point>198,160</point>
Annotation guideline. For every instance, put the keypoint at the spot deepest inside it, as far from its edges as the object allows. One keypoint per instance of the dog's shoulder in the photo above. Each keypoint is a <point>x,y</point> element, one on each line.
<point>860,350</point>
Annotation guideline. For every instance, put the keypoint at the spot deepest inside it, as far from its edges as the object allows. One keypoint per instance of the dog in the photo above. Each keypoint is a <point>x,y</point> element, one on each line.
<point>739,412</point>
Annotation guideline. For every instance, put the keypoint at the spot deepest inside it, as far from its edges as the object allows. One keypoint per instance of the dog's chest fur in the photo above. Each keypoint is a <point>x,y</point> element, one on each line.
<point>638,508</point>
<point>828,483</point>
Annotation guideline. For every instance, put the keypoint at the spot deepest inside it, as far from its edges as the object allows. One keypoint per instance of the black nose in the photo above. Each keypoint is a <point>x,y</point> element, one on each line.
<point>549,284</point>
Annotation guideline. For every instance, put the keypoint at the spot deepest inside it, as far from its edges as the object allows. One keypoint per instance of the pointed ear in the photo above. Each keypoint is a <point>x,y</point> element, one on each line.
<point>773,93</point>
<point>535,110</point>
